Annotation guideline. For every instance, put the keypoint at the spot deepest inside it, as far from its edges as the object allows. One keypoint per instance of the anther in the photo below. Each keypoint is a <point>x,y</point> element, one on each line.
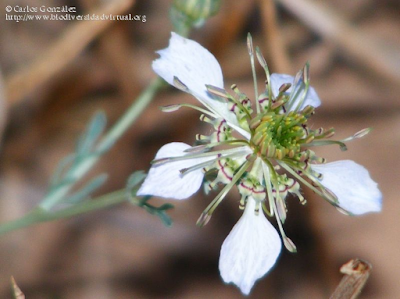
<point>279,154</point>
<point>242,203</point>
<point>330,195</point>
<point>284,87</point>
<point>251,157</point>
<point>308,111</point>
<point>254,122</point>
<point>179,84</point>
<point>309,138</point>
<point>170,108</point>
<point>205,119</point>
<point>201,137</point>
<point>362,133</point>
<point>218,91</point>
<point>289,244</point>
<point>160,161</point>
<point>196,149</point>
<point>329,133</point>
<point>277,104</point>
<point>261,58</point>
<point>250,44</point>
<point>203,219</point>
<point>306,72</point>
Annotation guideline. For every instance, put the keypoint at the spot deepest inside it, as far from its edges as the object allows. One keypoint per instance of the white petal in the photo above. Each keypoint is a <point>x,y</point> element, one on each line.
<point>351,183</point>
<point>311,99</point>
<point>250,250</point>
<point>165,180</point>
<point>195,66</point>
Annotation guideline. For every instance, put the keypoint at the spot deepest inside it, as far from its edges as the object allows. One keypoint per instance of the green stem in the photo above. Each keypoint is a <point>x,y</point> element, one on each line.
<point>107,141</point>
<point>39,215</point>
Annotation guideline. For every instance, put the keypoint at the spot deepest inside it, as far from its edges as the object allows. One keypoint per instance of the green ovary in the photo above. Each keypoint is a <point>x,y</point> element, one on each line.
<point>278,135</point>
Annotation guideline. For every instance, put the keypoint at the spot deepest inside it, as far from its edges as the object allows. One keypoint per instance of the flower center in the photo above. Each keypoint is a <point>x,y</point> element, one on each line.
<point>276,135</point>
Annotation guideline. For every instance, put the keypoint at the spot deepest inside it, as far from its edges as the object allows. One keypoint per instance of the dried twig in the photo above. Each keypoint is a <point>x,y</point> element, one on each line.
<point>64,50</point>
<point>16,291</point>
<point>3,107</point>
<point>273,38</point>
<point>362,48</point>
<point>356,275</point>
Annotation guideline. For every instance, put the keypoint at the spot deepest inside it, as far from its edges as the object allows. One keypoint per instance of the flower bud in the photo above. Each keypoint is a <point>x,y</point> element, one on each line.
<point>187,13</point>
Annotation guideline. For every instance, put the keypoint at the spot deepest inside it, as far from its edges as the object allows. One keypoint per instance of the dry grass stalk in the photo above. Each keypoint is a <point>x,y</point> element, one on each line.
<point>273,38</point>
<point>359,46</point>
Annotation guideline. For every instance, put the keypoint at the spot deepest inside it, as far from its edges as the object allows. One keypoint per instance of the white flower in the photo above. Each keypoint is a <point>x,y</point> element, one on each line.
<point>273,139</point>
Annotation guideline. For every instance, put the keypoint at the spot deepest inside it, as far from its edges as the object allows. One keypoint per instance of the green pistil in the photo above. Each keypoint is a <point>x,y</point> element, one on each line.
<point>277,135</point>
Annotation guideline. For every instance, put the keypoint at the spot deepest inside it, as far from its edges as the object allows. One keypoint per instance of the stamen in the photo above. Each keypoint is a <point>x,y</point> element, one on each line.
<point>342,146</point>
<point>253,69</point>
<point>239,101</point>
<point>218,91</point>
<point>362,133</point>
<point>267,167</point>
<point>180,85</point>
<point>244,150</point>
<point>281,209</point>
<point>343,211</point>
<point>197,149</point>
<point>289,244</point>
<point>185,171</point>
<point>200,137</point>
<point>263,100</point>
<point>328,192</point>
<point>203,219</point>
<point>265,209</point>
<point>263,63</point>
<point>200,148</point>
<point>331,199</point>
<point>277,104</point>
<point>206,215</point>
<point>284,87</point>
<point>359,134</point>
<point>322,134</point>
<point>308,111</point>
<point>295,90</point>
<point>170,108</point>
<point>286,241</point>
<point>306,78</point>
<point>175,107</point>
<point>255,122</point>
<point>279,205</point>
<point>242,203</point>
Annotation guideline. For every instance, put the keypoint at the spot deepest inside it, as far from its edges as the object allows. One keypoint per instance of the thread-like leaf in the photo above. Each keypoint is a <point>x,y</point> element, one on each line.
<point>88,189</point>
<point>93,131</point>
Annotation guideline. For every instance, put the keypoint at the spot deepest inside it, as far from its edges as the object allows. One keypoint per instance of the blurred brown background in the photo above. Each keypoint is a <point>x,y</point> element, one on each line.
<point>56,74</point>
